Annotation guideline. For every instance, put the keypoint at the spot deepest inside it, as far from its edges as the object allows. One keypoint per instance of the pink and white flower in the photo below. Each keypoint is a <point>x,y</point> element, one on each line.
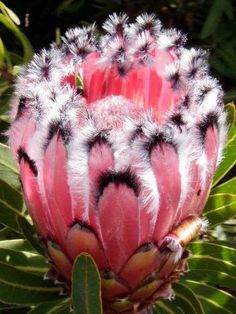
<point>117,140</point>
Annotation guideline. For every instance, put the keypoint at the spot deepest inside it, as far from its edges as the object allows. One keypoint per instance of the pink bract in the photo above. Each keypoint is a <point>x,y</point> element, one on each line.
<point>117,140</point>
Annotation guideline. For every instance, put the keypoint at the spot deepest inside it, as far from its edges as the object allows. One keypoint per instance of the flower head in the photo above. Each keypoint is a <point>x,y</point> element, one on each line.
<point>117,140</point>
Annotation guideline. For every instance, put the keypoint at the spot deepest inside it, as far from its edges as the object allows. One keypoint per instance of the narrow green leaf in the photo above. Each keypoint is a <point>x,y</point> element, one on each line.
<point>186,299</point>
<point>26,261</point>
<point>230,95</point>
<point>229,151</point>
<point>212,299</point>
<point>57,307</point>
<point>8,170</point>
<point>6,158</point>
<point>10,206</point>
<point>2,51</point>
<point>30,234</point>
<point>221,203</point>
<point>167,307</point>
<point>231,114</point>
<point>227,54</point>
<point>213,18</point>
<point>19,287</point>
<point>228,187</point>
<point>220,208</point>
<point>86,286</point>
<point>17,245</point>
<point>229,9</point>
<point>218,64</point>
<point>5,232</point>
<point>10,13</point>
<point>27,48</point>
<point>208,262</point>
<point>212,277</point>
<point>222,250</point>
<point>12,308</point>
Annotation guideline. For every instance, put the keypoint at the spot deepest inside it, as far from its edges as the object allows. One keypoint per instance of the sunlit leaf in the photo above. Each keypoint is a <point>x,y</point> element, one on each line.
<point>2,51</point>
<point>212,299</point>
<point>221,204</point>
<point>223,250</point>
<point>27,48</point>
<point>213,277</point>
<point>17,245</point>
<point>10,13</point>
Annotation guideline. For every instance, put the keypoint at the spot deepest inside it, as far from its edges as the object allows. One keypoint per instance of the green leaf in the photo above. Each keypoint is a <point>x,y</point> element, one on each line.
<point>16,245</point>
<point>219,65</point>
<point>5,233</point>
<point>5,118</point>
<point>227,187</point>
<point>26,261</point>
<point>30,234</point>
<point>231,114</point>
<point>12,308</point>
<point>86,286</point>
<point>57,307</point>
<point>10,206</point>
<point>229,9</point>
<point>221,204</point>
<point>229,159</point>
<point>222,250</point>
<point>2,51</point>
<point>213,277</point>
<point>186,299</point>
<point>10,13</point>
<point>27,48</point>
<point>19,287</point>
<point>212,299</point>
<point>213,18</point>
<point>211,263</point>
<point>8,170</point>
<point>230,95</point>
<point>167,307</point>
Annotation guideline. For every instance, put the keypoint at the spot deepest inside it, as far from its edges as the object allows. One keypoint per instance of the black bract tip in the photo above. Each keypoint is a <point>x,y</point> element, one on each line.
<point>122,177</point>
<point>23,155</point>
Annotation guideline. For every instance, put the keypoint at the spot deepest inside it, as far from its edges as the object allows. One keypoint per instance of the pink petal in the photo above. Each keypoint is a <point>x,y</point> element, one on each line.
<point>164,161</point>
<point>118,215</point>
<point>33,201</point>
<point>144,85</point>
<point>56,186</point>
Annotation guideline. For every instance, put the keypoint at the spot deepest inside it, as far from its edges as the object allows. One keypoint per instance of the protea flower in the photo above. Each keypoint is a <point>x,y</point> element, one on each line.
<point>117,139</point>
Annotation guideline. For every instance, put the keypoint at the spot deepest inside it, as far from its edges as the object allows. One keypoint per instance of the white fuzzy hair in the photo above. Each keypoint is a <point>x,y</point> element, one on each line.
<point>168,38</point>
<point>113,21</point>
<point>78,165</point>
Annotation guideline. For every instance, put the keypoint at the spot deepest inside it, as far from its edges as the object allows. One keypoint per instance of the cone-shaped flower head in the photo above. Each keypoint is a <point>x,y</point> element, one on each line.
<point>117,139</point>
